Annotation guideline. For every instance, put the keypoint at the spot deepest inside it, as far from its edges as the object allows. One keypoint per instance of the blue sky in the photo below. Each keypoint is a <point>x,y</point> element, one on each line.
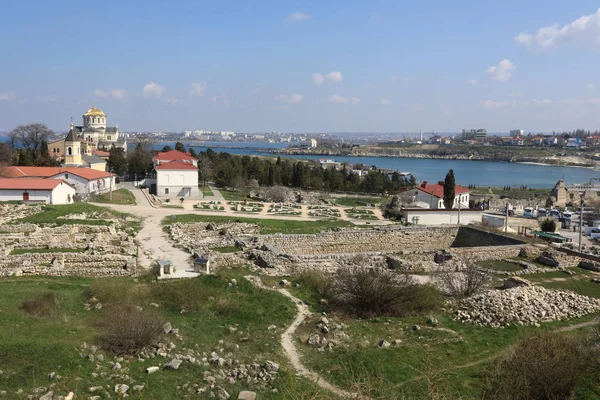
<point>310,66</point>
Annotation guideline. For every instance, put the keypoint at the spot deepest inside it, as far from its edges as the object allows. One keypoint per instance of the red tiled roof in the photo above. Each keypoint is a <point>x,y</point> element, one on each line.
<point>176,165</point>
<point>101,153</point>
<point>46,172</point>
<point>30,184</point>
<point>437,189</point>
<point>173,155</point>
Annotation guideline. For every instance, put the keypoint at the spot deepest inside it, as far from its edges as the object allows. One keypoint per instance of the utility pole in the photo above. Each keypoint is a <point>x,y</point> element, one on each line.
<point>458,210</point>
<point>580,222</point>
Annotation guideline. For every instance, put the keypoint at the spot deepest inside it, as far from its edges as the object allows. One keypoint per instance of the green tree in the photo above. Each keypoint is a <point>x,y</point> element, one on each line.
<point>166,148</point>
<point>548,225</point>
<point>140,161</point>
<point>180,147</point>
<point>271,179</point>
<point>449,190</point>
<point>117,162</point>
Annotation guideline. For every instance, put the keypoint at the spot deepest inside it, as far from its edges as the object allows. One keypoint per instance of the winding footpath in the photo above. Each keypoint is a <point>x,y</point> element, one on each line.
<point>289,346</point>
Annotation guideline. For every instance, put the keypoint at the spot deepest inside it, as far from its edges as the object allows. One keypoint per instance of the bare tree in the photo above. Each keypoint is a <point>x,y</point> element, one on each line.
<point>463,283</point>
<point>277,194</point>
<point>30,136</point>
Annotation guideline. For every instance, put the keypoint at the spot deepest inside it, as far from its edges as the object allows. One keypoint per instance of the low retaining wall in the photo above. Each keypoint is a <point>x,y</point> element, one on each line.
<point>67,264</point>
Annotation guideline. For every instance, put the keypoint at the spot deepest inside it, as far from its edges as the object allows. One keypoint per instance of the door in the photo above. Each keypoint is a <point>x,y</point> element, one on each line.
<point>25,196</point>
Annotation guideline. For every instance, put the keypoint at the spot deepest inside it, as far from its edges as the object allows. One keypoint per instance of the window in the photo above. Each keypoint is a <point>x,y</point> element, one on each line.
<point>66,176</point>
<point>166,190</point>
<point>108,138</point>
<point>70,151</point>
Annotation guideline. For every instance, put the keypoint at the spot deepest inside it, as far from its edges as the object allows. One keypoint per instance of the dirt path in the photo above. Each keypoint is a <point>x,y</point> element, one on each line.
<point>289,346</point>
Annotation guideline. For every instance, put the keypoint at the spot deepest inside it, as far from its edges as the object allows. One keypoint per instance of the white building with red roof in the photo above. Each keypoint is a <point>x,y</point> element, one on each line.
<point>50,191</point>
<point>433,195</point>
<point>176,174</point>
<point>86,181</point>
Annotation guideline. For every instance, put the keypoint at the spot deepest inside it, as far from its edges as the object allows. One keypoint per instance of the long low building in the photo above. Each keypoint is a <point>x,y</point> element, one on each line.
<point>86,181</point>
<point>51,191</point>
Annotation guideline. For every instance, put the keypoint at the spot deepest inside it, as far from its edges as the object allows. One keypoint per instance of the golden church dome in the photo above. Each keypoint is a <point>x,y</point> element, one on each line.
<point>94,112</point>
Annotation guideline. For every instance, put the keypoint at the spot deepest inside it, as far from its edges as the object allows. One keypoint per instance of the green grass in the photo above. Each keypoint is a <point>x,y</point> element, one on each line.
<point>231,195</point>
<point>34,347</point>
<point>120,196</point>
<point>226,249</point>
<point>15,252</point>
<point>358,201</point>
<point>267,225</point>
<point>500,265</point>
<point>52,212</point>
<point>207,192</point>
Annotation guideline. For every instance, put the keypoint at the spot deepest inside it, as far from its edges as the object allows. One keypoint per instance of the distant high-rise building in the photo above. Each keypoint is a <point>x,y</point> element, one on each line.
<point>474,134</point>
<point>517,133</point>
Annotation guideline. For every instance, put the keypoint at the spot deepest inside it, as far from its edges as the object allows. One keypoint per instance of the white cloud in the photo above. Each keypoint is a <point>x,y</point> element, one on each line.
<point>472,81</point>
<point>591,86</point>
<point>153,90</point>
<point>334,76</point>
<point>175,101</point>
<point>385,102</point>
<point>491,104</point>
<point>539,102</point>
<point>585,31</point>
<point>516,93</point>
<point>7,96</point>
<point>116,94</point>
<point>222,100</point>
<point>393,78</point>
<point>298,16</point>
<point>503,71</point>
<point>289,98</point>
<point>318,79</point>
<point>197,89</point>
<point>343,100</point>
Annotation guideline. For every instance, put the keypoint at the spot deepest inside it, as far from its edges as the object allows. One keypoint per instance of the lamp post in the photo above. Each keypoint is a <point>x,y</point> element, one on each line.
<point>580,219</point>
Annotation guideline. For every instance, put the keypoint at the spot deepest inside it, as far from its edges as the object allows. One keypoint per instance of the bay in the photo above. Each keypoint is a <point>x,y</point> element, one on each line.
<point>479,173</point>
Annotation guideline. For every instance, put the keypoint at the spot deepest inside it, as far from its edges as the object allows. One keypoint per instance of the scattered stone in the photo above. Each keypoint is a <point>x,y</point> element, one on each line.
<point>416,328</point>
<point>138,388</point>
<point>384,344</point>
<point>324,321</point>
<point>94,389</point>
<point>523,253</point>
<point>285,282</point>
<point>121,388</point>
<point>323,302</point>
<point>432,321</point>
<point>47,396</point>
<point>151,370</point>
<point>167,327</point>
<point>154,305</point>
<point>51,375</point>
<point>173,364</point>
<point>270,366</point>
<point>272,327</point>
<point>100,357</point>
<point>549,259</point>
<point>70,396</point>
<point>398,342</point>
<point>116,367</point>
<point>247,395</point>
<point>94,398</point>
<point>314,340</point>
<point>222,393</point>
<point>589,265</point>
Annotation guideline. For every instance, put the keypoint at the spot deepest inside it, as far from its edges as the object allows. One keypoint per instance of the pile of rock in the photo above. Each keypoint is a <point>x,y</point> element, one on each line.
<point>524,305</point>
<point>328,335</point>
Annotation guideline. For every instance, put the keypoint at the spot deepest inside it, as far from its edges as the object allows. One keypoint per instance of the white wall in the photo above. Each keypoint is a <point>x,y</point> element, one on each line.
<point>441,217</point>
<point>85,187</point>
<point>57,196</point>
<point>175,181</point>
<point>435,202</point>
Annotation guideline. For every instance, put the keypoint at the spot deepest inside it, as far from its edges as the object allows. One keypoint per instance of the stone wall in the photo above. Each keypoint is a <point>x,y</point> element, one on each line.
<point>471,237</point>
<point>361,241</point>
<point>60,264</point>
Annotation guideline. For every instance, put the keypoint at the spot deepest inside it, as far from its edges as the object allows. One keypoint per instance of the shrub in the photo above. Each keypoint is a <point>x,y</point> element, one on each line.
<point>547,366</point>
<point>548,225</point>
<point>378,292</point>
<point>314,280</point>
<point>463,283</point>
<point>45,305</point>
<point>127,330</point>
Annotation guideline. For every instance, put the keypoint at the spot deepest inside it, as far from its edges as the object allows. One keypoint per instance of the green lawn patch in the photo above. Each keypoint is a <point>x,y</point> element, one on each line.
<point>267,225</point>
<point>206,191</point>
<point>15,252</point>
<point>358,201</point>
<point>52,212</point>
<point>500,265</point>
<point>120,196</point>
<point>231,195</point>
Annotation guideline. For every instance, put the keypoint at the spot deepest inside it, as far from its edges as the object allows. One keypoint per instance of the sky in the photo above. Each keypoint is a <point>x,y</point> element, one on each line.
<point>302,66</point>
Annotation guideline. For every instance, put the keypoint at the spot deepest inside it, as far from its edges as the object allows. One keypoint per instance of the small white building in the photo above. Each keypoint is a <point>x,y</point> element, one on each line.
<point>433,194</point>
<point>50,191</point>
<point>429,217</point>
<point>176,174</point>
<point>86,181</point>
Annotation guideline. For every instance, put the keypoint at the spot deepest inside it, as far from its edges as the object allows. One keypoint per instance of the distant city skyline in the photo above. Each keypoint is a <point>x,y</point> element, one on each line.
<point>337,66</point>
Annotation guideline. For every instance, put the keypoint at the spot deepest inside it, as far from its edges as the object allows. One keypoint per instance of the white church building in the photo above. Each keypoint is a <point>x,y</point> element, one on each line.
<point>176,174</point>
